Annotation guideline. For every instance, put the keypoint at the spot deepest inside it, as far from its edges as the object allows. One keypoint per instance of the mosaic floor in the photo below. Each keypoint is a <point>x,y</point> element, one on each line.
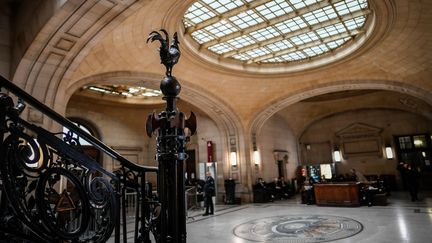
<point>298,229</point>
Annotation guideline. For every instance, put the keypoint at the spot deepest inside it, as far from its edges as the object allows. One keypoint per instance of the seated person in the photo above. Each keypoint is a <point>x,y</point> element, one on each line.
<point>261,184</point>
<point>285,188</point>
<point>261,191</point>
<point>340,178</point>
<point>275,189</point>
<point>367,190</point>
<point>350,177</point>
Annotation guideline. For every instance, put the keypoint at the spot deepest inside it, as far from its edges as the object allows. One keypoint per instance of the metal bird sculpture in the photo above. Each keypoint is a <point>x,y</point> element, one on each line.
<point>169,54</point>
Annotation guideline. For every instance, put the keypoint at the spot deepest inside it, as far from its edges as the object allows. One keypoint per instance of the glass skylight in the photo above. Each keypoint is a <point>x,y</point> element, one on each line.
<point>273,31</point>
<point>124,91</point>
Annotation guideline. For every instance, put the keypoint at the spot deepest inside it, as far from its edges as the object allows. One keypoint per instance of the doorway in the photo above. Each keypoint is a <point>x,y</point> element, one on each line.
<point>280,164</point>
<point>191,165</point>
<point>416,150</point>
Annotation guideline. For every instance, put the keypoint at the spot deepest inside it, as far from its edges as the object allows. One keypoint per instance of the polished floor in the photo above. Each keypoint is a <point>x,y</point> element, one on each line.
<point>400,221</point>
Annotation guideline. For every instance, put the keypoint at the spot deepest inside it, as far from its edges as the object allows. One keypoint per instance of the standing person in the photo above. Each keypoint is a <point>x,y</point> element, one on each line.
<point>413,176</point>
<point>308,196</point>
<point>263,192</point>
<point>401,167</point>
<point>209,193</point>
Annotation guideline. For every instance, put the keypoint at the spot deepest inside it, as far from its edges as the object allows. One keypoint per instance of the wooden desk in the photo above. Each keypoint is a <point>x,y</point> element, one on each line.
<point>337,194</point>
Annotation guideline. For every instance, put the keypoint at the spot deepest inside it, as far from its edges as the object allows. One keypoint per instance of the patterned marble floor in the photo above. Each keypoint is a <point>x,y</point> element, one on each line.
<point>298,228</point>
<point>289,221</point>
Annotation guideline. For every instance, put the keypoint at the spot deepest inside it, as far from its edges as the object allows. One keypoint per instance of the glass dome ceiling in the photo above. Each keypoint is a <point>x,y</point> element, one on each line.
<point>275,31</point>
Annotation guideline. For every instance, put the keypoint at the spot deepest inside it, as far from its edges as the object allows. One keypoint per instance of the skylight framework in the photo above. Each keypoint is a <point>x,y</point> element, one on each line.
<point>124,91</point>
<point>275,31</point>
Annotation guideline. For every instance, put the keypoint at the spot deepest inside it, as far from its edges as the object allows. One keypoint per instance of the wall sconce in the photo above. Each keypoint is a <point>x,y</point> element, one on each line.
<point>233,151</point>
<point>256,157</point>
<point>337,155</point>
<point>389,152</point>
<point>233,158</point>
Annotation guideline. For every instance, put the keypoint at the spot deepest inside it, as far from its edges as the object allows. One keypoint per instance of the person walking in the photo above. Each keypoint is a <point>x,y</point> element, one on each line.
<point>209,193</point>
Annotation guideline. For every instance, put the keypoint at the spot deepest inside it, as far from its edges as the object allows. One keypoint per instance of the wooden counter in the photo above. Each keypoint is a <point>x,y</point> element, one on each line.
<point>337,194</point>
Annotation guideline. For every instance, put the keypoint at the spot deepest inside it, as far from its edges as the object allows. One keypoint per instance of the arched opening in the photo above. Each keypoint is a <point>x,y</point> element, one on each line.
<point>87,148</point>
<point>120,122</point>
<point>216,120</point>
<point>320,119</point>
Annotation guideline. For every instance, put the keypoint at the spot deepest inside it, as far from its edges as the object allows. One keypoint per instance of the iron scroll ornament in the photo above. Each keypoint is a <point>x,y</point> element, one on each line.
<point>53,190</point>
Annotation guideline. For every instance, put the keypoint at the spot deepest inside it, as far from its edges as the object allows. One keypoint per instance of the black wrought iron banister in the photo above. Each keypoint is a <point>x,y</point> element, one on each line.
<point>44,136</point>
<point>51,191</point>
<point>14,89</point>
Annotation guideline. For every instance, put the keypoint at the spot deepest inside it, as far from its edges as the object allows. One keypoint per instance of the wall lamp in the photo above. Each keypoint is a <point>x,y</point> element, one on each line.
<point>256,154</point>
<point>233,158</point>
<point>389,152</point>
<point>233,152</point>
<point>337,154</point>
<point>256,157</point>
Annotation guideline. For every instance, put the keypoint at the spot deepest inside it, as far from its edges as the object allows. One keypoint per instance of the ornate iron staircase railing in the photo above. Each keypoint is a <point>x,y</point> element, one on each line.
<point>51,191</point>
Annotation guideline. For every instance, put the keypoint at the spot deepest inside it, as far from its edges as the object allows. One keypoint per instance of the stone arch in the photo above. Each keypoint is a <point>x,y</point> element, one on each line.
<point>320,118</point>
<point>296,96</point>
<point>227,121</point>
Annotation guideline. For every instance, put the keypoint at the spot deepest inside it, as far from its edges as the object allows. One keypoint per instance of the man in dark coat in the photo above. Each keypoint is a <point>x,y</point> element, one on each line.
<point>402,168</point>
<point>413,176</point>
<point>209,193</point>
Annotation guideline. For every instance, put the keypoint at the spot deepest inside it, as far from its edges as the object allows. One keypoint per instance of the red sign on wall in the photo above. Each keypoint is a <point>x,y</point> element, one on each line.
<point>209,151</point>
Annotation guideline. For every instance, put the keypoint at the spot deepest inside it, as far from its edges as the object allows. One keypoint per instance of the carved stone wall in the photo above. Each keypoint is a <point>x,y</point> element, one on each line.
<point>275,141</point>
<point>316,152</point>
<point>361,136</point>
<point>360,140</point>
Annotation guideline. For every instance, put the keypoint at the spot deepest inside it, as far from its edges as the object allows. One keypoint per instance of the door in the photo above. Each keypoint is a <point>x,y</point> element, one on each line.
<point>191,165</point>
<point>415,149</point>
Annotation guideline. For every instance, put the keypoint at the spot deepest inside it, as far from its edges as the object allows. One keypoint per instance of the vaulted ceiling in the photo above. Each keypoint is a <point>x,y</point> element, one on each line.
<point>104,41</point>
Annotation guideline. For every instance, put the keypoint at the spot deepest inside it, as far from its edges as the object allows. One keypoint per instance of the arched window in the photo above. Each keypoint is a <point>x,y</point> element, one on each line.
<point>86,146</point>
<point>85,128</point>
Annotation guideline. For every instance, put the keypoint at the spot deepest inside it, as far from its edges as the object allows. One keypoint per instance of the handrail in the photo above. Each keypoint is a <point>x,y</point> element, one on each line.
<point>4,83</point>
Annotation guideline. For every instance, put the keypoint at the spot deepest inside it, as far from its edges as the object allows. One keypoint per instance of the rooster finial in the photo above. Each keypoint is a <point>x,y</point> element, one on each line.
<point>169,54</point>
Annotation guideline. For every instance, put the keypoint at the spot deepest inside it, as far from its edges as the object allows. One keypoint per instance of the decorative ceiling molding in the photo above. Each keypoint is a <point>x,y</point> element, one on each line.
<point>408,102</point>
<point>358,129</point>
<point>64,39</point>
<point>300,132</point>
<point>360,139</point>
